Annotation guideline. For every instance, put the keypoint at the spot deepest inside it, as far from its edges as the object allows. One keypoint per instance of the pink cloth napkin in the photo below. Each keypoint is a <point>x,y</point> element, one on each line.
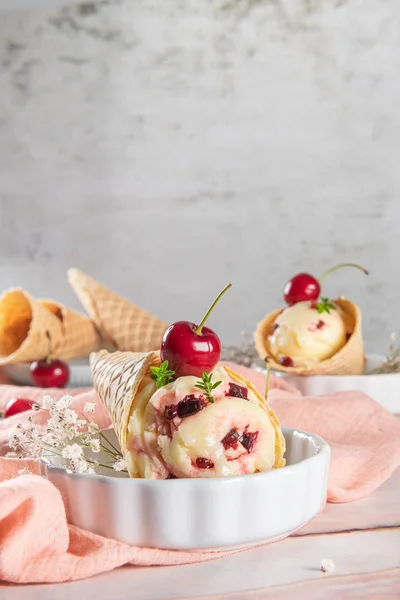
<point>38,545</point>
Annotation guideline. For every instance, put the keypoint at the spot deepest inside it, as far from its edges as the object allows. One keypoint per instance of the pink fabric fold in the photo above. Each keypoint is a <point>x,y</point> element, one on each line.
<point>38,545</point>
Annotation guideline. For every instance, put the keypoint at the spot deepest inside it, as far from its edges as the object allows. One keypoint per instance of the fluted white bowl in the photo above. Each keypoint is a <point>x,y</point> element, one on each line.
<point>382,387</point>
<point>199,514</point>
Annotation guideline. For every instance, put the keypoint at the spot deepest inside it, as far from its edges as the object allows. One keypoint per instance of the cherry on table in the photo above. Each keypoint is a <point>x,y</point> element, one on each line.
<point>17,405</point>
<point>192,349</point>
<point>49,373</point>
<point>304,287</point>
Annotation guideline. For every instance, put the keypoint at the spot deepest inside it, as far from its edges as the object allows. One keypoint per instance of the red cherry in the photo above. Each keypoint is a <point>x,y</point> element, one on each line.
<point>49,373</point>
<point>17,405</point>
<point>189,353</point>
<point>191,349</point>
<point>302,287</point>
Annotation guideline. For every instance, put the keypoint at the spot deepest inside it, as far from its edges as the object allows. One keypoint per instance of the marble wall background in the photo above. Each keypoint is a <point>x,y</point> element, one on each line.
<point>168,147</point>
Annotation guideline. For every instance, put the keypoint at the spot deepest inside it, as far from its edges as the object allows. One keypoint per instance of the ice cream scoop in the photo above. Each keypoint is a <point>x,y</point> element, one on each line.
<point>304,336</point>
<point>180,431</point>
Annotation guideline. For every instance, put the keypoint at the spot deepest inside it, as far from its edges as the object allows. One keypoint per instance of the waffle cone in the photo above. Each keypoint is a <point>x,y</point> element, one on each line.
<point>80,335</point>
<point>349,360</point>
<point>116,378</point>
<point>280,445</point>
<point>24,324</point>
<point>119,376</point>
<point>127,326</point>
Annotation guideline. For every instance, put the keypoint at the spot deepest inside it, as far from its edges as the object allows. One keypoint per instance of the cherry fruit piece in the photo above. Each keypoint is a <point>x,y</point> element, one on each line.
<point>192,349</point>
<point>304,287</point>
<point>237,391</point>
<point>286,361</point>
<point>17,405</point>
<point>204,463</point>
<point>49,373</point>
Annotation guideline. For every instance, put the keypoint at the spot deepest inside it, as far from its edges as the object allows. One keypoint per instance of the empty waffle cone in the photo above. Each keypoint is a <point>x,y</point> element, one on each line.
<point>25,327</point>
<point>80,336</point>
<point>127,326</point>
<point>117,378</point>
<point>349,360</point>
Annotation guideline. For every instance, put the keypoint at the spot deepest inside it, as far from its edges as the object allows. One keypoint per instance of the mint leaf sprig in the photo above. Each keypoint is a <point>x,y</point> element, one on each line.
<point>162,375</point>
<point>207,386</point>
<point>324,305</point>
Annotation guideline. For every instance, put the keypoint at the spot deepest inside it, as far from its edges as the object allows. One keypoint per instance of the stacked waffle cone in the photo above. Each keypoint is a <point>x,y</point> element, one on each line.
<point>127,326</point>
<point>27,324</point>
<point>349,360</point>
<point>80,336</point>
<point>25,327</point>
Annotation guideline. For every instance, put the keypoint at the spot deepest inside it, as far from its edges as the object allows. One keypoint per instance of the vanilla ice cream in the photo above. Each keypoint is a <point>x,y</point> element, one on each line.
<point>176,431</point>
<point>307,337</point>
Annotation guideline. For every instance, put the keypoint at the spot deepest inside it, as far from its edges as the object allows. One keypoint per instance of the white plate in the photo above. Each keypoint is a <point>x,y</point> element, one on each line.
<point>80,374</point>
<point>384,388</point>
<point>199,514</point>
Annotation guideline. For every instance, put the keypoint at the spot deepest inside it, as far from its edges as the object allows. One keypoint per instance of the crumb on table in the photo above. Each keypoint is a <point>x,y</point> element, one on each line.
<point>327,565</point>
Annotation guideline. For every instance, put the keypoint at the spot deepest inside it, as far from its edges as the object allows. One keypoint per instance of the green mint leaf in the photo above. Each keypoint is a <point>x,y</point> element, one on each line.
<point>325,305</point>
<point>207,386</point>
<point>162,375</point>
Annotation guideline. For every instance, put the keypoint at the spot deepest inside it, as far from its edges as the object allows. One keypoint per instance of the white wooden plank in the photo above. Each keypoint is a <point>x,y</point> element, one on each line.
<point>293,560</point>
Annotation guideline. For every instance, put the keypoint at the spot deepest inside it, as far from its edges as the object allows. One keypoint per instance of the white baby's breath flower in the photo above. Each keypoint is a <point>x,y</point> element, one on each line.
<point>327,565</point>
<point>64,402</point>
<point>95,445</point>
<point>90,471</point>
<point>70,416</point>
<point>120,465</point>
<point>80,466</point>
<point>72,451</point>
<point>47,402</point>
<point>93,427</point>
<point>25,471</point>
<point>11,455</point>
<point>89,407</point>
<point>14,443</point>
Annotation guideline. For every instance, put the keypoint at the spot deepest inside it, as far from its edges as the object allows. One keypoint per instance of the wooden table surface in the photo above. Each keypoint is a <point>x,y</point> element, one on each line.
<point>362,538</point>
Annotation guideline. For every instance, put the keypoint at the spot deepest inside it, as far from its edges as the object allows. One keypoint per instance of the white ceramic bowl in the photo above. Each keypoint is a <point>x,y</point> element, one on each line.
<point>199,514</point>
<point>384,388</point>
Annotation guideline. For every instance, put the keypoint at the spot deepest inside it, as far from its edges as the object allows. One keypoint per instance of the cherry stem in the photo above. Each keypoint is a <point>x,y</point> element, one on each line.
<point>48,359</point>
<point>268,378</point>
<point>217,299</point>
<point>331,270</point>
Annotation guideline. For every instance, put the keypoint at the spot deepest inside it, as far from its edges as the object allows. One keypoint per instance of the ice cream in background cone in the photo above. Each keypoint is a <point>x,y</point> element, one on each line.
<point>127,326</point>
<point>80,336</point>
<point>348,360</point>
<point>25,327</point>
<point>124,384</point>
